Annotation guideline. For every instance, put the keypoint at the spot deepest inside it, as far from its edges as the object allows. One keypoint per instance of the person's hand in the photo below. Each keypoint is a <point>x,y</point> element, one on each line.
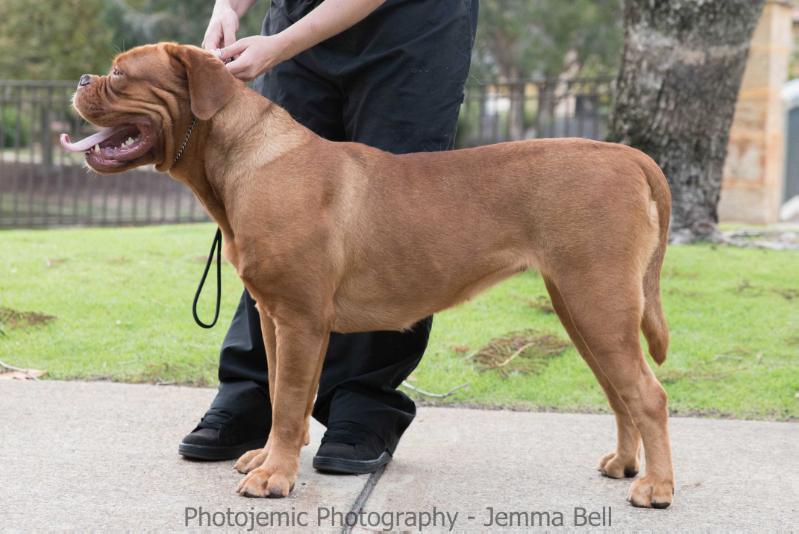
<point>222,27</point>
<point>255,55</point>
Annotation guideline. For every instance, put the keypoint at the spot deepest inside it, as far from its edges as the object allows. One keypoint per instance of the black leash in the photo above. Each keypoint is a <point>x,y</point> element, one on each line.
<point>216,246</point>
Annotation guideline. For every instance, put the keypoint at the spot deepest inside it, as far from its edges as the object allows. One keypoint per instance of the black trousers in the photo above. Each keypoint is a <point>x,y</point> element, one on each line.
<point>393,81</point>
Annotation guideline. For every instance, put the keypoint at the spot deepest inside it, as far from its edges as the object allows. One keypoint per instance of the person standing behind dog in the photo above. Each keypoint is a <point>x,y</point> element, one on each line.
<point>386,73</point>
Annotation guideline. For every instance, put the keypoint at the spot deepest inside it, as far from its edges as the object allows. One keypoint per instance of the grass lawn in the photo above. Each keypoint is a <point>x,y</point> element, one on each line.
<point>121,299</point>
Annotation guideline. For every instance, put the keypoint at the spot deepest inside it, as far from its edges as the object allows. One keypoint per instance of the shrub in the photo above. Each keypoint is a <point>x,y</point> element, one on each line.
<point>13,122</point>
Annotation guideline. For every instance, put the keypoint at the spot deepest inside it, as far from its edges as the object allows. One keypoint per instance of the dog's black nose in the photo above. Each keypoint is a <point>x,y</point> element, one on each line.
<point>84,80</point>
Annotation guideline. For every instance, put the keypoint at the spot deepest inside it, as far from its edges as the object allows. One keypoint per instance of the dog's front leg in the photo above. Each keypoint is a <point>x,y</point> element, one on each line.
<point>255,458</point>
<point>301,346</point>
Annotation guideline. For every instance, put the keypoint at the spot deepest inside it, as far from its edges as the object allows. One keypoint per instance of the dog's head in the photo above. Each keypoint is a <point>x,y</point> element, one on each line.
<point>145,104</point>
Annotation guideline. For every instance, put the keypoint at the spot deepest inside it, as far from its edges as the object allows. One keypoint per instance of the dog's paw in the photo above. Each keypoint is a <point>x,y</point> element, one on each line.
<point>251,460</point>
<point>651,491</point>
<point>613,466</point>
<point>266,482</point>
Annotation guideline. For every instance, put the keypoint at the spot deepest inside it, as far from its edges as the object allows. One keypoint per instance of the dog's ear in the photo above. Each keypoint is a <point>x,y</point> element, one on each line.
<point>211,85</point>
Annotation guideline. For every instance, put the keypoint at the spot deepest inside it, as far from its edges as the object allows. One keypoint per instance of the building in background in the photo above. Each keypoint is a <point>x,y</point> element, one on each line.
<point>755,179</point>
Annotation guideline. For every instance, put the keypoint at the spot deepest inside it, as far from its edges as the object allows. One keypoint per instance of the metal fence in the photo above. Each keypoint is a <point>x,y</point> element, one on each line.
<point>42,185</point>
<point>498,112</point>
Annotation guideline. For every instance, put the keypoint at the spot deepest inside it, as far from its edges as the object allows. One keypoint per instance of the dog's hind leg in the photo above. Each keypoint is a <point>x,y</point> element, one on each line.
<point>605,307</point>
<point>624,462</point>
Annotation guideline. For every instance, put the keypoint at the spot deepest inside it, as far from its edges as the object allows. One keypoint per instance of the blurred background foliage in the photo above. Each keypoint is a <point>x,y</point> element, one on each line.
<point>62,39</point>
<point>544,39</point>
<point>517,39</point>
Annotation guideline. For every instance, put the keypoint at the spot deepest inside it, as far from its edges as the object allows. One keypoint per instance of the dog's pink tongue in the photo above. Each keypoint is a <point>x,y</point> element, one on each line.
<point>85,144</point>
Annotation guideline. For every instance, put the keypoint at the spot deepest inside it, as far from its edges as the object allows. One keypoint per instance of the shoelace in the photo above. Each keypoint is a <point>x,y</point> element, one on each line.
<point>354,435</point>
<point>215,418</point>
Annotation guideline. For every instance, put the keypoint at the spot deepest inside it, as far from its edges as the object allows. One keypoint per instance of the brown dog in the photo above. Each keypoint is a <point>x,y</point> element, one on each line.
<point>343,237</point>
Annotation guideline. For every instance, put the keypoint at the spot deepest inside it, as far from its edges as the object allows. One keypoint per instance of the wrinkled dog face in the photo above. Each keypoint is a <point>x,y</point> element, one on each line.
<point>145,103</point>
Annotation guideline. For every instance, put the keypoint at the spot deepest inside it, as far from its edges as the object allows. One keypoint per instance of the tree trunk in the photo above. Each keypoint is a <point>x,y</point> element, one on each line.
<point>681,72</point>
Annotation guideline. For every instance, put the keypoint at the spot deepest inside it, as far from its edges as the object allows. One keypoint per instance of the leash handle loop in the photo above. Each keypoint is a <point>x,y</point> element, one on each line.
<point>216,246</point>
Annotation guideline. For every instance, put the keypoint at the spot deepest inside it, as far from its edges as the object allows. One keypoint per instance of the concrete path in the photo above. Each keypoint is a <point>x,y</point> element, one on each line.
<point>731,475</point>
<point>102,457</point>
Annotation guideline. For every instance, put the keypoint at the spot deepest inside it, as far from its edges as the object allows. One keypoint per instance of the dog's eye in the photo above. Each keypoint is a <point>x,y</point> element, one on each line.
<point>117,72</point>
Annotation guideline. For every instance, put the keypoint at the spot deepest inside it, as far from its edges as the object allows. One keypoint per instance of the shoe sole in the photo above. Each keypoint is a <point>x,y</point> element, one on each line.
<point>328,464</point>
<point>216,453</point>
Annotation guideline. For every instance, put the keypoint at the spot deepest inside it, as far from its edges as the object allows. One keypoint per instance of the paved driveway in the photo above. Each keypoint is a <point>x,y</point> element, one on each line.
<point>103,456</point>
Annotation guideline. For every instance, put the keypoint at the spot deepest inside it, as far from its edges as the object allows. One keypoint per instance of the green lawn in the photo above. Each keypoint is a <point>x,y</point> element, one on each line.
<point>121,299</point>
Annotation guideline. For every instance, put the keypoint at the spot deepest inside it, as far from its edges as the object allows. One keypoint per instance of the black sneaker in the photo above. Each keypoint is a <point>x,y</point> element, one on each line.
<point>351,451</point>
<point>225,435</point>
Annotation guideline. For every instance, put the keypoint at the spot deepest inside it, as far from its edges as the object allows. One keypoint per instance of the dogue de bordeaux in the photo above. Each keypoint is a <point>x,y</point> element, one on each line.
<point>333,236</point>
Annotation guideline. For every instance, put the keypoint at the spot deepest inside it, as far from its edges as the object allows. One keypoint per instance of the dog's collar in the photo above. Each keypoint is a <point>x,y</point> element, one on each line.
<point>185,142</point>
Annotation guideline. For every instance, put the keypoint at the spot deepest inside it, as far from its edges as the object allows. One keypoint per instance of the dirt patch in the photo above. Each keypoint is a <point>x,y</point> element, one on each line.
<point>675,272</point>
<point>165,373</point>
<point>736,360</point>
<point>21,374</point>
<point>746,288</point>
<point>737,354</point>
<point>792,340</point>
<point>671,376</point>
<point>780,237</point>
<point>10,318</point>
<point>525,352</point>
<point>54,262</point>
<point>540,303</point>
<point>682,292</point>
<point>787,294</point>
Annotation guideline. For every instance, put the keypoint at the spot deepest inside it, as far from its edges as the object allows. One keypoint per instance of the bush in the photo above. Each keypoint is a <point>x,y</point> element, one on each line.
<point>13,122</point>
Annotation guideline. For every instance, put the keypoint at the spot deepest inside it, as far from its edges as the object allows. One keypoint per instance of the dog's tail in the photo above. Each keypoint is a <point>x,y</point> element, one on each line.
<point>653,322</point>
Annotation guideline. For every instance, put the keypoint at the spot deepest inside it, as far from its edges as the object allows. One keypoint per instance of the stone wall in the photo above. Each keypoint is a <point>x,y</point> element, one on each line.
<point>794,70</point>
<point>754,171</point>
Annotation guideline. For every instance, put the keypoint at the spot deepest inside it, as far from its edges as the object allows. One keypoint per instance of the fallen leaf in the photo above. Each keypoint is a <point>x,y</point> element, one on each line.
<point>53,262</point>
<point>25,374</point>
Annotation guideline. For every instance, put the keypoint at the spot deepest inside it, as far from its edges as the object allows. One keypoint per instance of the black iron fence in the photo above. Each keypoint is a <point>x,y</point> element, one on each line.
<point>42,185</point>
<point>497,112</point>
